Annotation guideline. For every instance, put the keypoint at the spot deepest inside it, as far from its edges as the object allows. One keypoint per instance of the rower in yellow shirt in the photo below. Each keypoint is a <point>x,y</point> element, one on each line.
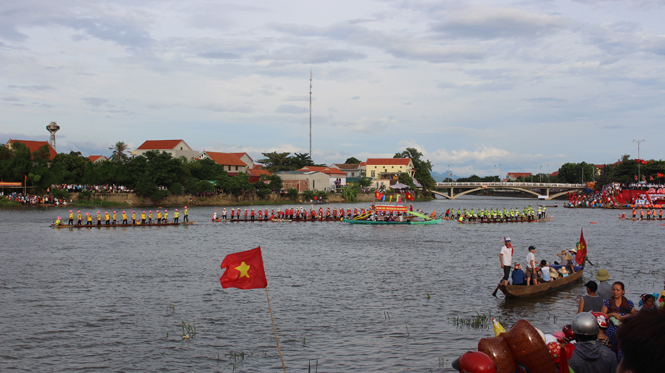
<point>143,217</point>
<point>99,218</point>
<point>166,216</point>
<point>114,218</point>
<point>78,216</point>
<point>133,217</point>
<point>87,214</point>
<point>176,214</point>
<point>186,217</point>
<point>71,217</point>
<point>107,218</point>
<point>159,217</point>
<point>150,217</point>
<point>124,217</point>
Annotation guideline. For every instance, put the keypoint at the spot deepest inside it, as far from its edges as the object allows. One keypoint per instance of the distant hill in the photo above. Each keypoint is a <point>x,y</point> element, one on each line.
<point>440,176</point>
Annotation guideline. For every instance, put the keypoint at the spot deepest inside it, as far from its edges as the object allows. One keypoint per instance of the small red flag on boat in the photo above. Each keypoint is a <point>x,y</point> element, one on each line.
<point>244,270</point>
<point>409,196</point>
<point>581,251</point>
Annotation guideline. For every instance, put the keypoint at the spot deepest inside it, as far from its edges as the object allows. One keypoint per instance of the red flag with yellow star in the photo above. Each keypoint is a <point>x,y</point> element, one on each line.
<point>244,270</point>
<point>581,250</point>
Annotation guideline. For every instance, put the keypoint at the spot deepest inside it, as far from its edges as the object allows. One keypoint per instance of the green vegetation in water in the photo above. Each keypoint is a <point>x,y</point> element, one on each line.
<point>475,322</point>
<point>188,330</point>
<point>5,202</point>
<point>238,356</point>
<point>170,308</point>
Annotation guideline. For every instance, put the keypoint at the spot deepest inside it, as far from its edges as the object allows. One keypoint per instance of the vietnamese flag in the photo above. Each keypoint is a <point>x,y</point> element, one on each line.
<point>378,195</point>
<point>659,174</point>
<point>650,177</point>
<point>244,270</point>
<point>409,196</point>
<point>635,177</point>
<point>638,160</point>
<point>581,251</point>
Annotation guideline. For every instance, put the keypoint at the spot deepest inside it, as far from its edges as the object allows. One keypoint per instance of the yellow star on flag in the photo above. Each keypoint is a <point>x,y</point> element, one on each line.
<point>243,268</point>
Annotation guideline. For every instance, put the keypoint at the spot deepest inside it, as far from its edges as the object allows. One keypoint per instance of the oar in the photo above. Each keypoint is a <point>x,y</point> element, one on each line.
<point>495,290</point>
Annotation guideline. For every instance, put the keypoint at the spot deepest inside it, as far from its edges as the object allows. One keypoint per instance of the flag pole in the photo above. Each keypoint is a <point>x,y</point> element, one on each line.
<point>275,331</point>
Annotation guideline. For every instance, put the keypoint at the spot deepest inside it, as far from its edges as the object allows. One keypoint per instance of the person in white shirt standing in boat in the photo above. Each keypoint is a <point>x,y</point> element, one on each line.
<point>506,259</point>
<point>531,271</point>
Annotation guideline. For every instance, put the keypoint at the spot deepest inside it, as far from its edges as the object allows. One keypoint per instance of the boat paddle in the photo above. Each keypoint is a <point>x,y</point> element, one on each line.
<point>495,290</point>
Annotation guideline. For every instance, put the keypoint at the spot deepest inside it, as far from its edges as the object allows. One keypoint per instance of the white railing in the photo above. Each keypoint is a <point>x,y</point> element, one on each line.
<point>508,184</point>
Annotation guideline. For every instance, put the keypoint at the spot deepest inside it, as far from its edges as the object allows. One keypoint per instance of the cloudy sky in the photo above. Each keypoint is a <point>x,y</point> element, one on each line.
<point>472,84</point>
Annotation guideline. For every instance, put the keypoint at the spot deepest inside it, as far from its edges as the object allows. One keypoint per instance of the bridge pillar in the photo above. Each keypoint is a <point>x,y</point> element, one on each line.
<point>452,193</point>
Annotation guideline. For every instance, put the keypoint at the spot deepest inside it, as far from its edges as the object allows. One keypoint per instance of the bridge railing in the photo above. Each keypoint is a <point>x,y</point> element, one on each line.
<point>509,184</point>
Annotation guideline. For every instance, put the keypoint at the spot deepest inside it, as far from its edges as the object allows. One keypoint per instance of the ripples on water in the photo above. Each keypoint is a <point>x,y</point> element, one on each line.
<point>350,297</point>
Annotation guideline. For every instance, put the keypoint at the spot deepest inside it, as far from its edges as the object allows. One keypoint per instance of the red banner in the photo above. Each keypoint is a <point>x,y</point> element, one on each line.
<point>10,184</point>
<point>391,208</point>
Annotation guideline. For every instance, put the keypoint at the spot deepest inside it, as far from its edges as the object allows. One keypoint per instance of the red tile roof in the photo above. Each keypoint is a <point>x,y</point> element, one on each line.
<point>388,161</point>
<point>159,144</point>
<point>258,172</point>
<point>35,145</point>
<point>518,174</point>
<point>93,158</point>
<point>555,173</point>
<point>225,159</point>
<point>239,155</point>
<point>347,166</point>
<point>325,170</point>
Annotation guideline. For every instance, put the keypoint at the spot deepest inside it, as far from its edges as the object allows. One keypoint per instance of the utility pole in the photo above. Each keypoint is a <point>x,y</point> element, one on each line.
<point>548,174</point>
<point>494,173</point>
<point>541,174</point>
<point>499,172</point>
<point>310,114</point>
<point>639,176</point>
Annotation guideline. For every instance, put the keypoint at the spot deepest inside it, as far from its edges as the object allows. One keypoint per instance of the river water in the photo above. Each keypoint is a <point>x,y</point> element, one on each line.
<point>344,297</point>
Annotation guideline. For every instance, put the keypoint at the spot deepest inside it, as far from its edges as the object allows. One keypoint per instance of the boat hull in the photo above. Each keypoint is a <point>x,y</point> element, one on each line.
<point>520,291</point>
<point>406,222</point>
<point>119,225</point>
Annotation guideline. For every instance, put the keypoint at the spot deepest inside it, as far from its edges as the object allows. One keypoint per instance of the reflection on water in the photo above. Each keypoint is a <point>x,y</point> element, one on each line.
<point>348,297</point>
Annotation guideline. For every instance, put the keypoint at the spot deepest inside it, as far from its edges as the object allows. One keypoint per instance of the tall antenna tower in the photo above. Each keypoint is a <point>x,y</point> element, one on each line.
<point>52,128</point>
<point>310,114</point>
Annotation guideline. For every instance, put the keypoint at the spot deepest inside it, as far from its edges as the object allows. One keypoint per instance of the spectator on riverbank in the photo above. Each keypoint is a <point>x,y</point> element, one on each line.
<point>591,301</point>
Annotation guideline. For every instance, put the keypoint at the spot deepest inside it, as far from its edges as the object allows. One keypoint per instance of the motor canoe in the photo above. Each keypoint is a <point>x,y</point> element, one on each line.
<point>520,291</point>
<point>490,221</point>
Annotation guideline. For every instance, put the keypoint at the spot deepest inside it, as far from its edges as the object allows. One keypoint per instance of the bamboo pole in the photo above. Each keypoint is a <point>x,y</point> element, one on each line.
<point>275,331</point>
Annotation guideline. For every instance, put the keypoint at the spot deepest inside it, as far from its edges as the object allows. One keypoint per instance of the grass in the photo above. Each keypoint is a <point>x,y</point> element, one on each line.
<point>5,202</point>
<point>475,322</point>
<point>188,330</point>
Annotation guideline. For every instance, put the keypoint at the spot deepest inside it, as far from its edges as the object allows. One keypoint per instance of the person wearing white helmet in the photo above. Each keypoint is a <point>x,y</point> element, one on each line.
<point>590,355</point>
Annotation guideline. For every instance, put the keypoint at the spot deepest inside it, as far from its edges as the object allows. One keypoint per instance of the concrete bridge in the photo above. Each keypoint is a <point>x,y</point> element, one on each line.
<point>540,190</point>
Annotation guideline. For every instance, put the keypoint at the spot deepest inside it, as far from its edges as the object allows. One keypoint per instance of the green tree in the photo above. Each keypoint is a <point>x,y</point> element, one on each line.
<point>405,179</point>
<point>423,168</point>
<point>352,160</point>
<point>292,193</point>
<point>73,166</point>
<point>275,162</point>
<point>364,182</point>
<point>350,193</point>
<point>572,172</point>
<point>120,150</point>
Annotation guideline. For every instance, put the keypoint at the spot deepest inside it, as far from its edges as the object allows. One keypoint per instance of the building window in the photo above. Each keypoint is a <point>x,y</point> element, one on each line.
<point>236,168</point>
<point>373,174</point>
<point>392,166</point>
<point>181,148</point>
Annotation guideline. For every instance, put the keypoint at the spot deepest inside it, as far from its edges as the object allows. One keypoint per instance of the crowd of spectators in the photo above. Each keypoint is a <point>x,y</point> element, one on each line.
<point>28,199</point>
<point>76,188</point>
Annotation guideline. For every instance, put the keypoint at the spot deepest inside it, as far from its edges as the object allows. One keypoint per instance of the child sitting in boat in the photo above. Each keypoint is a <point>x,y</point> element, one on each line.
<point>544,271</point>
<point>518,275</point>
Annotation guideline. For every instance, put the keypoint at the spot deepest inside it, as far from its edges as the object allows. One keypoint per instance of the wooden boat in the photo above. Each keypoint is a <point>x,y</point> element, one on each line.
<point>555,205</point>
<point>119,225</point>
<point>273,220</point>
<point>640,219</point>
<point>488,221</point>
<point>511,291</point>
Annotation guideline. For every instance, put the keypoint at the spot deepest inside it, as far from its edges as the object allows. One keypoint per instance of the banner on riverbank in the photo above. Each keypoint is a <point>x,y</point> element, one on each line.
<point>391,208</point>
<point>11,184</point>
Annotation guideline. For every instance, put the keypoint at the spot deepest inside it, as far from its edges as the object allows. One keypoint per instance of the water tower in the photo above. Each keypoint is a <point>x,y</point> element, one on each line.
<point>52,128</point>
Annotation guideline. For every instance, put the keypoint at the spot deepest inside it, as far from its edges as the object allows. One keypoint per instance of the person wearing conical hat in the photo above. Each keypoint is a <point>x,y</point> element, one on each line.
<point>78,217</point>
<point>71,217</point>
<point>233,214</point>
<point>604,287</point>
